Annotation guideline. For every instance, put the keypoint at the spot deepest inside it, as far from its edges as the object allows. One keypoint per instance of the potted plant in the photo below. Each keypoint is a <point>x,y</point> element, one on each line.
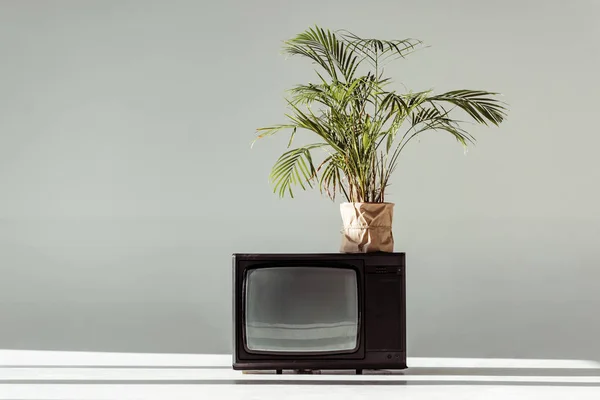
<point>361,126</point>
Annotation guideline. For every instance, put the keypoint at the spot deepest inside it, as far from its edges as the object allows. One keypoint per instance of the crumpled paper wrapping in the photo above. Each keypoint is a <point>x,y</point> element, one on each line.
<point>367,227</point>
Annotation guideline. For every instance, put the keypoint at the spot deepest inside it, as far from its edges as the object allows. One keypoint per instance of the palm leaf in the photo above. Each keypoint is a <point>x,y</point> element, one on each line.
<point>271,130</point>
<point>330,180</point>
<point>294,167</point>
<point>480,105</point>
<point>379,51</point>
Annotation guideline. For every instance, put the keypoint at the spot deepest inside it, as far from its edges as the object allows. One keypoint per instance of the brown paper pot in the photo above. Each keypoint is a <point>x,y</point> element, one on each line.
<point>367,227</point>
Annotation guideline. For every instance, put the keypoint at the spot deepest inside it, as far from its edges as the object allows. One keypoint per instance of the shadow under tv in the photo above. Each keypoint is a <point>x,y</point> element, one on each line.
<point>319,311</point>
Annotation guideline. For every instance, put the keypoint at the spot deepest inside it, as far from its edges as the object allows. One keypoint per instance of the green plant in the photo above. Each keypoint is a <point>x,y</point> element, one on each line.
<point>363,126</point>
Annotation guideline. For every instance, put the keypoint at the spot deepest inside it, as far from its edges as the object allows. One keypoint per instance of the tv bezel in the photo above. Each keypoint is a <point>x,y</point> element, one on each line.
<point>243,265</point>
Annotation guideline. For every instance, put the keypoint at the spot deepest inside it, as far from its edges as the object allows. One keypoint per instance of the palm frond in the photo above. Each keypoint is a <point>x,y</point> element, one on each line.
<point>330,181</point>
<point>294,167</point>
<point>480,105</point>
<point>377,51</point>
<point>270,131</point>
<point>324,48</point>
<point>308,94</point>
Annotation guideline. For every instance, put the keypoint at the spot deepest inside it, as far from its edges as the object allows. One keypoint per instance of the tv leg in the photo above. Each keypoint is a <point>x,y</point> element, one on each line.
<point>279,372</point>
<point>359,372</point>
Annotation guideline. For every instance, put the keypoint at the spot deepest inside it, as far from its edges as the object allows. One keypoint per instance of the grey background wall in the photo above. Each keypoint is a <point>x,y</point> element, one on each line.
<point>127,180</point>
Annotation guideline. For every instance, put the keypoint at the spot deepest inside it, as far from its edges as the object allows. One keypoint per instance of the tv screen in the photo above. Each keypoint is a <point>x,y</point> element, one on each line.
<point>301,309</point>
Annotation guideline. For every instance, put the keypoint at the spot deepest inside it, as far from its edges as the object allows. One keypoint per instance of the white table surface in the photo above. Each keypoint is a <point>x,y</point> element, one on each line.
<point>78,375</point>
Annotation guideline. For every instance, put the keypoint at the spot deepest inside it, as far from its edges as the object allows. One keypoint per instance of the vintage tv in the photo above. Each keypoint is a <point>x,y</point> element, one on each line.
<point>332,311</point>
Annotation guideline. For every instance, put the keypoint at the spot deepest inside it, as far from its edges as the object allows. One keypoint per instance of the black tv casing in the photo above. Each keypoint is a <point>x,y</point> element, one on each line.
<point>382,313</point>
